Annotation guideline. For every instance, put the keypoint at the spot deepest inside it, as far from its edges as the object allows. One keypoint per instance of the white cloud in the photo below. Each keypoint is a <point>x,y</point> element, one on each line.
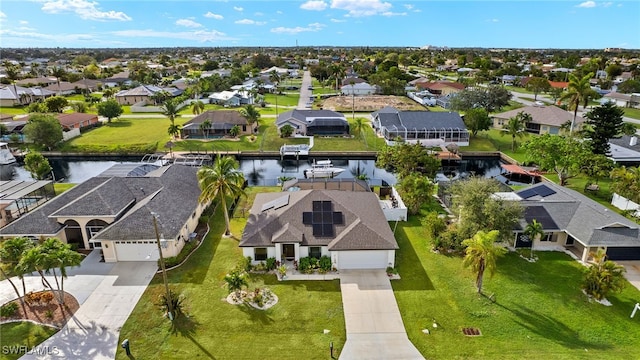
<point>279,12</point>
<point>607,4</point>
<point>360,8</point>
<point>408,6</point>
<point>2,15</point>
<point>213,16</point>
<point>188,23</point>
<point>249,22</point>
<point>587,4</point>
<point>389,13</point>
<point>23,22</point>
<point>237,8</point>
<point>314,5</point>
<point>493,20</point>
<point>337,21</point>
<point>295,30</point>
<point>85,9</point>
<point>199,35</point>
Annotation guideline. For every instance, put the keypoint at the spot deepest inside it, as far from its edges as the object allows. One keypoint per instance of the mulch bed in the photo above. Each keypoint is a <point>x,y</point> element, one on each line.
<point>58,317</point>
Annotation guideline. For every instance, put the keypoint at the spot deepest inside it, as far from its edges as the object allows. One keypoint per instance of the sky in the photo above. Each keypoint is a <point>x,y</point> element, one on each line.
<point>218,23</point>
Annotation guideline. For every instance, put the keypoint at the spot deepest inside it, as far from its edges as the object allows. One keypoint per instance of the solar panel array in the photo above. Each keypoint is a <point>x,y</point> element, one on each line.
<point>322,218</point>
<point>276,204</point>
<point>542,190</point>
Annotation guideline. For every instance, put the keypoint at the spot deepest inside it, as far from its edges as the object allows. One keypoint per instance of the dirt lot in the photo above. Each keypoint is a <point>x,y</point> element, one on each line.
<point>369,103</point>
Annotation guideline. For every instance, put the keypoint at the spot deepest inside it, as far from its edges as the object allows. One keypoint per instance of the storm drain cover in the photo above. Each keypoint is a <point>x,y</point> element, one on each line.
<point>471,331</point>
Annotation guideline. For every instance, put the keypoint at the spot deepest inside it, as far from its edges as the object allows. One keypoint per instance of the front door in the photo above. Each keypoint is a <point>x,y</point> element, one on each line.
<point>289,251</point>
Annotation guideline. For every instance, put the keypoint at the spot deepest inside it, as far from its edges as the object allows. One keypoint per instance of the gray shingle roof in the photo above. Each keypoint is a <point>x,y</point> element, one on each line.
<point>544,115</point>
<point>303,116</point>
<point>215,117</point>
<point>589,222</point>
<point>365,226</point>
<point>108,199</point>
<point>420,120</point>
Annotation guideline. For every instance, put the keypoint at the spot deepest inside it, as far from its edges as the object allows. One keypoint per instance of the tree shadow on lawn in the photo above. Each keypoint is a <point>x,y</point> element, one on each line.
<point>186,326</point>
<point>412,274</point>
<point>118,123</point>
<point>194,271</point>
<point>547,327</point>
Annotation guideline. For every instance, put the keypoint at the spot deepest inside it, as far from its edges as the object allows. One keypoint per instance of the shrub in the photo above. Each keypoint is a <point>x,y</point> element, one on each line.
<point>48,314</point>
<point>449,239</point>
<point>304,266</point>
<point>391,270</point>
<point>325,263</point>
<point>246,264</point>
<point>46,297</point>
<point>32,298</point>
<point>433,224</point>
<point>271,264</point>
<point>175,260</point>
<point>314,263</point>
<point>9,309</point>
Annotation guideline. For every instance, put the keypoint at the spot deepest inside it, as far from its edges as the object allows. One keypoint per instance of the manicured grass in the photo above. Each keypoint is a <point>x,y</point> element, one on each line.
<point>62,187</point>
<point>539,313</point>
<point>15,110</point>
<point>628,112</point>
<point>288,99</point>
<point>292,329</point>
<point>493,140</point>
<point>22,334</point>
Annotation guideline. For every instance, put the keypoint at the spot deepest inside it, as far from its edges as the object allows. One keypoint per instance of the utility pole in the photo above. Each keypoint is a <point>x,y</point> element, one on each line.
<point>164,272</point>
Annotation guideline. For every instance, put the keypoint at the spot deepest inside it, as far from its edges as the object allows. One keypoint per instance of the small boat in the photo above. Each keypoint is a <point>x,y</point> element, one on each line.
<point>322,169</point>
<point>6,157</point>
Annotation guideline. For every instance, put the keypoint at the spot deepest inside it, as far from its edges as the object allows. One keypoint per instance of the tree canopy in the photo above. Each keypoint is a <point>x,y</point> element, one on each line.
<point>491,98</point>
<point>477,120</point>
<point>563,155</point>
<point>405,158</point>
<point>538,85</point>
<point>109,109</point>
<point>606,123</point>
<point>37,165</point>
<point>56,104</point>
<point>44,129</point>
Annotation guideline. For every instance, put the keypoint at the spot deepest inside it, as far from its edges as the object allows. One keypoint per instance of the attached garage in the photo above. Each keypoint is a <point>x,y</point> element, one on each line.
<point>623,253</point>
<point>136,251</point>
<point>365,259</point>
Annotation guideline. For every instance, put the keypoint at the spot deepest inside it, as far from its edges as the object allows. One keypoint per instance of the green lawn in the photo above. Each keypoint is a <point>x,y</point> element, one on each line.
<point>22,334</point>
<point>493,140</point>
<point>539,313</point>
<point>15,110</point>
<point>292,329</point>
<point>62,187</point>
<point>289,99</point>
<point>628,112</point>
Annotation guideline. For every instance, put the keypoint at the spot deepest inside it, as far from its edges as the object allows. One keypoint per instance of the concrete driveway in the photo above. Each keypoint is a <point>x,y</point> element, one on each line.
<point>374,326</point>
<point>633,272</point>
<point>107,293</point>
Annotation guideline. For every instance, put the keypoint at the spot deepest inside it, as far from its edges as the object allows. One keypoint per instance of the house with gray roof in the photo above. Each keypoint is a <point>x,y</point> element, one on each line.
<point>625,150</point>
<point>220,123</point>
<point>576,223</point>
<point>314,122</point>
<point>144,94</point>
<point>427,128</point>
<point>347,226</point>
<point>544,119</point>
<point>114,212</point>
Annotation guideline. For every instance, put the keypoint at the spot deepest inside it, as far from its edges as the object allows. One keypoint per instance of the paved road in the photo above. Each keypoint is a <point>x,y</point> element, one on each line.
<point>305,93</point>
<point>374,326</point>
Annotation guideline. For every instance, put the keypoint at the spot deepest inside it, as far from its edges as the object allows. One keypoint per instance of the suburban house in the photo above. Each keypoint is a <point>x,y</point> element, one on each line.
<point>220,122</point>
<point>573,222</point>
<point>314,122</point>
<point>62,88</point>
<point>228,98</point>
<point>347,226</point>
<point>39,81</point>
<point>11,95</point>
<point>144,94</point>
<point>114,212</point>
<point>441,88</point>
<point>121,78</point>
<point>544,119</point>
<point>362,88</point>
<point>427,128</point>
<point>621,100</point>
<point>625,150</point>
<point>76,120</point>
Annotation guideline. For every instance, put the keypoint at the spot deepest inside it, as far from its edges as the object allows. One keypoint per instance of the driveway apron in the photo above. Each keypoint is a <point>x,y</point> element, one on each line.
<point>107,302</point>
<point>374,326</point>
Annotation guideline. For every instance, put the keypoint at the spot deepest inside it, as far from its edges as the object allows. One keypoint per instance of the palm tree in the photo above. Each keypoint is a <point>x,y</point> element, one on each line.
<point>234,131</point>
<point>64,257</point>
<point>58,73</point>
<point>197,107</point>
<point>236,280</point>
<point>357,126</point>
<point>274,77</point>
<point>34,259</point>
<point>222,180</point>
<point>174,130</point>
<point>516,127</point>
<point>13,72</point>
<point>170,110</point>
<point>603,276</point>
<point>481,254</point>
<point>204,127</point>
<point>533,230</point>
<point>579,92</point>
<point>10,255</point>
<point>626,182</point>
<point>252,115</point>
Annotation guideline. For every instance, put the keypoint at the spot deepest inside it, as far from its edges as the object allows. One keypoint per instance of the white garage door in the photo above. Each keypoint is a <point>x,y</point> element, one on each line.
<point>136,251</point>
<point>363,259</point>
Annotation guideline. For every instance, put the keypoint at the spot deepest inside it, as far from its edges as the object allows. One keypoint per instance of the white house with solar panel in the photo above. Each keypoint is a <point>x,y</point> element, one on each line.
<point>347,226</point>
<point>573,222</point>
<point>427,128</point>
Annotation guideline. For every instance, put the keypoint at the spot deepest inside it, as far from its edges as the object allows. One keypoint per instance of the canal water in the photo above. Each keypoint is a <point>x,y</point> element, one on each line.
<point>263,171</point>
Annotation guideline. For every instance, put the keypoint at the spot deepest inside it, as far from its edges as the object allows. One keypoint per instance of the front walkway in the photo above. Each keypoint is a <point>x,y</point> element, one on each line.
<point>374,326</point>
<point>107,293</point>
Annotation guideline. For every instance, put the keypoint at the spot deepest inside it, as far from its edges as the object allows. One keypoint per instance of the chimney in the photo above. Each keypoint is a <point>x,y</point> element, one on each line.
<point>633,141</point>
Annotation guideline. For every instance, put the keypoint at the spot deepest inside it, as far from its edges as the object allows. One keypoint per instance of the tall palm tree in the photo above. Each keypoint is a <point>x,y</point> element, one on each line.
<point>252,115</point>
<point>533,230</point>
<point>197,107</point>
<point>58,72</point>
<point>481,254</point>
<point>357,126</point>
<point>11,251</point>
<point>64,257</point>
<point>204,127</point>
<point>516,127</point>
<point>274,77</point>
<point>579,92</point>
<point>13,72</point>
<point>222,180</point>
<point>174,130</point>
<point>170,110</point>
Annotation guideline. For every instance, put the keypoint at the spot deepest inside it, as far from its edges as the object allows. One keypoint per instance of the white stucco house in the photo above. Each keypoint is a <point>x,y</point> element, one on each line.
<point>347,226</point>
